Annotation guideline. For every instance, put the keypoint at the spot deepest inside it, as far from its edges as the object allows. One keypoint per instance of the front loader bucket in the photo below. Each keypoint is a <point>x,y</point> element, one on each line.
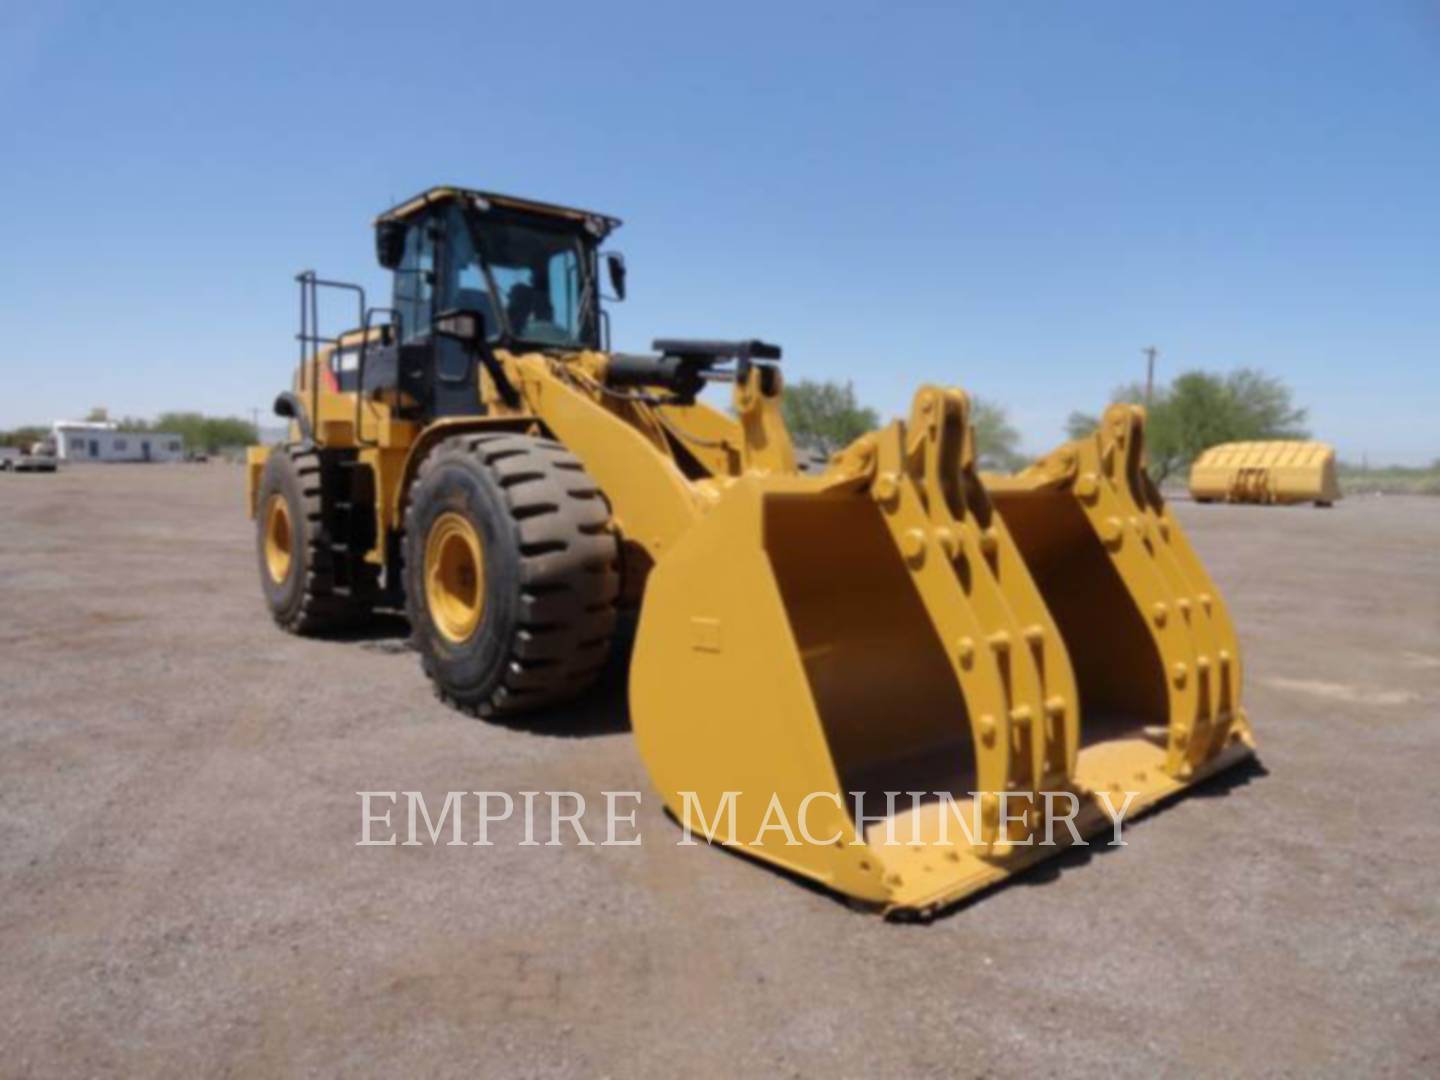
<point>1271,471</point>
<point>1155,654</point>
<point>863,678</point>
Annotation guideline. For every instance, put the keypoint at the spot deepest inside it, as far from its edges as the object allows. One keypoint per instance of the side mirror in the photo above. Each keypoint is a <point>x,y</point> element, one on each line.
<point>615,264</point>
<point>390,243</point>
<point>461,324</point>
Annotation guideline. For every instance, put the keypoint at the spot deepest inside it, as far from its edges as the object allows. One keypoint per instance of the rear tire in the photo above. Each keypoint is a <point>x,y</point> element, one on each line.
<point>511,573</point>
<point>296,552</point>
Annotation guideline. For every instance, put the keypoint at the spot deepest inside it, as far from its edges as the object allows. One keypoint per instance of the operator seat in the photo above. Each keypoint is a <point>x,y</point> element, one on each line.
<point>520,306</point>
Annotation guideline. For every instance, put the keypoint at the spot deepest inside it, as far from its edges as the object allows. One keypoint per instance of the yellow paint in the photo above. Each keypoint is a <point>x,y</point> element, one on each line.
<point>1149,635</point>
<point>255,458</point>
<point>766,446</point>
<point>278,540</point>
<point>454,577</point>
<point>714,439</point>
<point>1266,472</point>
<point>652,501</point>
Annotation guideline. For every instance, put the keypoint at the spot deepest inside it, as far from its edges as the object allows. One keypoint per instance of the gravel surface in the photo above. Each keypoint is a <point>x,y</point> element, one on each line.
<point>181,893</point>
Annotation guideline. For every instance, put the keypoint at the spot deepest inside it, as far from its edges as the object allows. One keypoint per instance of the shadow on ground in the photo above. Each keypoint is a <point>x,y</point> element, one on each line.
<point>1043,873</point>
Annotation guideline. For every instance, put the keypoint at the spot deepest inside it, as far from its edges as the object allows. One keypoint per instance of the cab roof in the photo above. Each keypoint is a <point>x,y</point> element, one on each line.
<point>600,223</point>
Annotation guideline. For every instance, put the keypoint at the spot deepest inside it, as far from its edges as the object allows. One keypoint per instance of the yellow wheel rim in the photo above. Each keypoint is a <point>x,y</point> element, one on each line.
<point>454,577</point>
<point>278,540</point>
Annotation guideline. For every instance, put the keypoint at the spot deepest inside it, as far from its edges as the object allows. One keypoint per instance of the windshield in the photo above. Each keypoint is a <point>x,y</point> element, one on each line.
<point>540,280</point>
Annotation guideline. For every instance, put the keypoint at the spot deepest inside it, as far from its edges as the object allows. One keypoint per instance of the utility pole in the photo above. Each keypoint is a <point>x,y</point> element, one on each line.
<point>1150,353</point>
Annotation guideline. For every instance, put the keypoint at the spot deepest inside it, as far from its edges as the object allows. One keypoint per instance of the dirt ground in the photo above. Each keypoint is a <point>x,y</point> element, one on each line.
<point>181,892</point>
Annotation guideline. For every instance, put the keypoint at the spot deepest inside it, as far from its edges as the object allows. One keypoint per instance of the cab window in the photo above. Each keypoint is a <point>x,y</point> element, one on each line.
<point>564,275</point>
<point>465,284</point>
<point>415,282</point>
<point>538,275</point>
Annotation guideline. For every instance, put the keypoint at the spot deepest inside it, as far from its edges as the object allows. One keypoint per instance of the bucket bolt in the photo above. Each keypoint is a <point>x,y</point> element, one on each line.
<point>989,817</point>
<point>965,652</point>
<point>887,490</point>
<point>986,726</point>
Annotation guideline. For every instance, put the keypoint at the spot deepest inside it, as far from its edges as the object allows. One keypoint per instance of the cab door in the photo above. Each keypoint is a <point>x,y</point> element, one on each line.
<point>460,283</point>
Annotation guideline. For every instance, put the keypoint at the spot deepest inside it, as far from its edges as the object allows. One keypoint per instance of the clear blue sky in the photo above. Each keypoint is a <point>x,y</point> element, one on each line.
<point>1009,197</point>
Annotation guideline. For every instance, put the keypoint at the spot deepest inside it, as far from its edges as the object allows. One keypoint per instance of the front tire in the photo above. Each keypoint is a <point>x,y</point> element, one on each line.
<point>511,573</point>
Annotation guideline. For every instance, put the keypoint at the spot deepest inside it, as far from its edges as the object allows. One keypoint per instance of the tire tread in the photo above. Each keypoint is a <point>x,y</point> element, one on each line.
<point>569,574</point>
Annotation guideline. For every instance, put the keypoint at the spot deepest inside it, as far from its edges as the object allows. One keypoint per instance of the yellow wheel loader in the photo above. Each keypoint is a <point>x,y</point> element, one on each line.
<point>884,674</point>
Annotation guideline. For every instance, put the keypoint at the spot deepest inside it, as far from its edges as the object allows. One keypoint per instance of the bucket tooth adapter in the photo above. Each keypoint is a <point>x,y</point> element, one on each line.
<point>888,675</point>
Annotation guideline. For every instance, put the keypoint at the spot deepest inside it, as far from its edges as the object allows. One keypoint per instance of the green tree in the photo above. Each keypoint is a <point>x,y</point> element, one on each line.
<point>1079,424</point>
<point>1263,406</point>
<point>207,433</point>
<point>997,441</point>
<point>222,432</point>
<point>1201,408</point>
<point>825,415</point>
<point>23,437</point>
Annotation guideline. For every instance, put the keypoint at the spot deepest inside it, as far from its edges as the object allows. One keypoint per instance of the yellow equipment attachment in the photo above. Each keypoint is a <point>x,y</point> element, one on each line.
<point>815,649</point>
<point>1266,472</point>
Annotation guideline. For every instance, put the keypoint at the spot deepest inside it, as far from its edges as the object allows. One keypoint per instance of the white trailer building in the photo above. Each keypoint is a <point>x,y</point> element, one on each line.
<point>89,440</point>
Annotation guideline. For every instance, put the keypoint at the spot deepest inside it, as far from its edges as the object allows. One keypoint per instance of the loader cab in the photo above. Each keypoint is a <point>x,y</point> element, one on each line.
<point>529,270</point>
